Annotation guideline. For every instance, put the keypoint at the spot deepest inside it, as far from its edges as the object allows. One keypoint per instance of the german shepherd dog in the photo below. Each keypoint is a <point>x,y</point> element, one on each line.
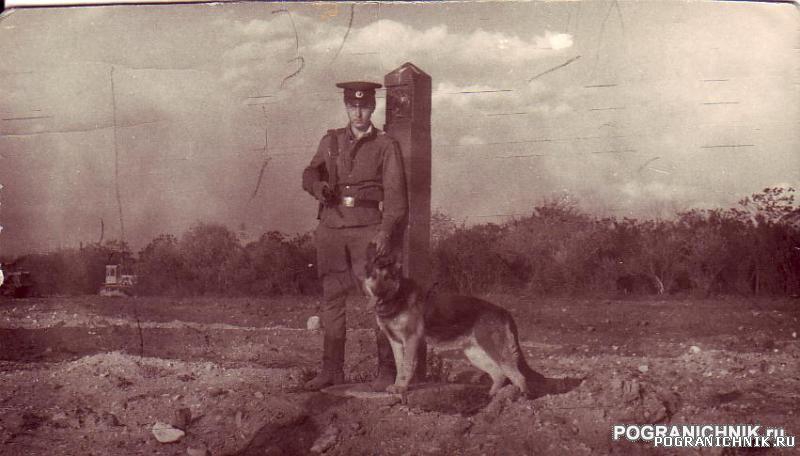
<point>485,332</point>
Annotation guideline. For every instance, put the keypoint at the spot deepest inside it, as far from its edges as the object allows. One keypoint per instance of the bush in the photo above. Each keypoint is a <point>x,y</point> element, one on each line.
<point>281,265</point>
<point>161,269</point>
<point>212,257</point>
<point>209,259</point>
<point>470,260</point>
<point>753,248</point>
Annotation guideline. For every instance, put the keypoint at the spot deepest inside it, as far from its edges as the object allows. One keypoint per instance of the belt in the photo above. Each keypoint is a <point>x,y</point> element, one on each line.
<point>351,201</point>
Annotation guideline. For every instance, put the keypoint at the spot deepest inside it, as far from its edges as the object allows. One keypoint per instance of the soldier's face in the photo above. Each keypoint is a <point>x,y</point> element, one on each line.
<point>360,116</point>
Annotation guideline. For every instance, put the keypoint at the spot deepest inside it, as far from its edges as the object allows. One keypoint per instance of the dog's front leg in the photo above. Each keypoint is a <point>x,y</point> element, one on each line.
<point>410,352</point>
<point>406,361</point>
<point>400,361</point>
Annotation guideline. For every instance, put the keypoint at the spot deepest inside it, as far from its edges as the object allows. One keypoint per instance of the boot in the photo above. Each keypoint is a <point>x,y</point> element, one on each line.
<point>324,379</point>
<point>332,372</point>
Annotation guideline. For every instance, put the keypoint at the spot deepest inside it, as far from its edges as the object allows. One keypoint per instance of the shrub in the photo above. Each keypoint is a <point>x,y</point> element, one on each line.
<point>212,254</point>
<point>752,248</point>
<point>161,268</point>
<point>281,265</point>
<point>471,261</point>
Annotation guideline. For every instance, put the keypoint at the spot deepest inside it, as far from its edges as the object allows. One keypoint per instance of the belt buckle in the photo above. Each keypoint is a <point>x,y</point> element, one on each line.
<point>349,201</point>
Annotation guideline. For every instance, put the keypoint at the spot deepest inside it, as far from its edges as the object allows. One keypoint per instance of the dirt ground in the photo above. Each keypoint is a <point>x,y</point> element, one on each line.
<point>94,375</point>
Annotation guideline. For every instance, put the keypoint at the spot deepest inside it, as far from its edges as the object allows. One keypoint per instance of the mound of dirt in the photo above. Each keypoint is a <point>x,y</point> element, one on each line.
<point>94,376</point>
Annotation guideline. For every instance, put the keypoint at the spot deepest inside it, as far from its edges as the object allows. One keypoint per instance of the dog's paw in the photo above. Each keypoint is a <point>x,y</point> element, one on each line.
<point>396,389</point>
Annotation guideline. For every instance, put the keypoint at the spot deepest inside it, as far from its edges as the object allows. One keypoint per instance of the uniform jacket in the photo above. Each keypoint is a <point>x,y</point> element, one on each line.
<point>370,168</point>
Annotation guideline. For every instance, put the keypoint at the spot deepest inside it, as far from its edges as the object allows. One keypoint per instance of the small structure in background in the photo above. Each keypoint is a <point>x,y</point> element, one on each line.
<point>313,323</point>
<point>119,281</point>
<point>17,284</point>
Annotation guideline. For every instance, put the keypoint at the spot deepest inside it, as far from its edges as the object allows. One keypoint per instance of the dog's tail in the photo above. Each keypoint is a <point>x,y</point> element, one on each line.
<point>536,382</point>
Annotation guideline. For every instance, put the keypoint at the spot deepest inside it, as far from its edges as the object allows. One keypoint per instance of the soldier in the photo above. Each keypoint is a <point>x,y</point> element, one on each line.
<point>357,177</point>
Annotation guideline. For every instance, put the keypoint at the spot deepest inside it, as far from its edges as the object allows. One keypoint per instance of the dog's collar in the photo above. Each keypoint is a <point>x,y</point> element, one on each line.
<point>383,311</point>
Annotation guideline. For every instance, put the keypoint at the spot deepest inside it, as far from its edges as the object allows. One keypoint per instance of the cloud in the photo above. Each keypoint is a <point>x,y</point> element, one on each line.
<point>259,28</point>
<point>257,50</point>
<point>399,42</point>
<point>533,98</point>
<point>555,41</point>
<point>500,143</point>
<point>449,94</point>
<point>387,36</point>
<point>260,52</point>
<point>498,47</point>
<point>260,49</point>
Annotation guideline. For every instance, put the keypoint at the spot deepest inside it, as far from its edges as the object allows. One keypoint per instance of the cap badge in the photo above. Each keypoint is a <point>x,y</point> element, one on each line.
<point>359,94</point>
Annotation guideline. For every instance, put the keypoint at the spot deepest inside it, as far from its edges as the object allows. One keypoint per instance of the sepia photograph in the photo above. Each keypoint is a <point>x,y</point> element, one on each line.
<point>536,227</point>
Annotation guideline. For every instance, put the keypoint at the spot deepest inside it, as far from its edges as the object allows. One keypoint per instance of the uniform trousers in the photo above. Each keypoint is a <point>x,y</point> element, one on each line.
<point>341,258</point>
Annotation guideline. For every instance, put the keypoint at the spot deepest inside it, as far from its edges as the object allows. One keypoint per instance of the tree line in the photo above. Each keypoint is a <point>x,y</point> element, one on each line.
<point>208,259</point>
<point>750,249</point>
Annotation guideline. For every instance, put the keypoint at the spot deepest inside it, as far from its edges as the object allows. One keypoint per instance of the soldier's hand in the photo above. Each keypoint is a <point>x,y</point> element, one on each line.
<point>322,191</point>
<point>381,243</point>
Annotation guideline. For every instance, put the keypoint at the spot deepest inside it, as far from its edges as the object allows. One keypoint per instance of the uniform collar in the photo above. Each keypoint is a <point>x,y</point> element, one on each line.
<point>371,132</point>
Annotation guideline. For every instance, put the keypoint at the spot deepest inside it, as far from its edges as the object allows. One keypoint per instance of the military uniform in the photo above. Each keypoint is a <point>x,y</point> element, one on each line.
<point>362,191</point>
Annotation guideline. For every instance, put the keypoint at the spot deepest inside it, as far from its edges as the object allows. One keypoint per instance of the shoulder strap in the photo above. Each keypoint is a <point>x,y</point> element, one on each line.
<point>334,143</point>
<point>332,158</point>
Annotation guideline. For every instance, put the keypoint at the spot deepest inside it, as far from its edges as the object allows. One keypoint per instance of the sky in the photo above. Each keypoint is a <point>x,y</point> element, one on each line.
<point>632,109</point>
